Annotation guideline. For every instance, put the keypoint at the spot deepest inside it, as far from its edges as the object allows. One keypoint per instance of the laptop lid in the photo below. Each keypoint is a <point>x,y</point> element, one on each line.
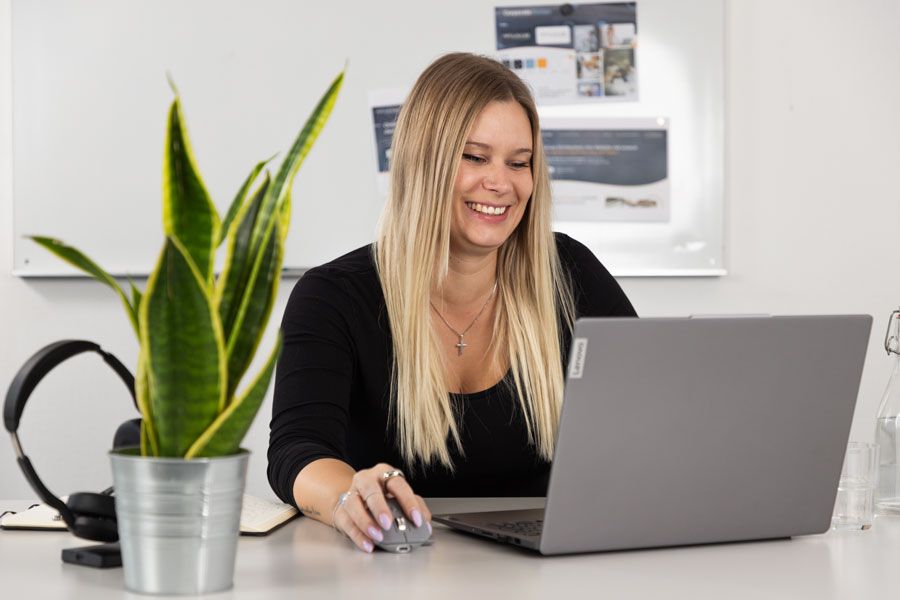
<point>698,430</point>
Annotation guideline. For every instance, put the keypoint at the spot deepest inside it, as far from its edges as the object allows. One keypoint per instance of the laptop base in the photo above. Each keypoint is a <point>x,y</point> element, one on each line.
<point>505,526</point>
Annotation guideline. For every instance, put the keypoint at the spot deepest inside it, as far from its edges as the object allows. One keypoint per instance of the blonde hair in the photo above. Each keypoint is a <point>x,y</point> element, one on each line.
<point>412,253</point>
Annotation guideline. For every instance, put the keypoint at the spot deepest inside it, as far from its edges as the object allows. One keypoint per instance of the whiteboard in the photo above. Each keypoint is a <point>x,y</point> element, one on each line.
<point>90,98</point>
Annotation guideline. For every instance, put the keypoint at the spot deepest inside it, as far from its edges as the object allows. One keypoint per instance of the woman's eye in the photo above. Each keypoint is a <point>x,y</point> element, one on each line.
<point>478,160</point>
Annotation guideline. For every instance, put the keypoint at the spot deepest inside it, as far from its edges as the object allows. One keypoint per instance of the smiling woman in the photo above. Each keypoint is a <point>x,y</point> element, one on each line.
<point>439,349</point>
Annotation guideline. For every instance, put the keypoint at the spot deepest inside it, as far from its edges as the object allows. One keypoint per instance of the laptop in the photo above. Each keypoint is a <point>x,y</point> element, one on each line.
<point>681,431</point>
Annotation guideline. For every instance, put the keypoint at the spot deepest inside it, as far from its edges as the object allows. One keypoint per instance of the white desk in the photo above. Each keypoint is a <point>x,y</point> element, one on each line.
<point>306,560</point>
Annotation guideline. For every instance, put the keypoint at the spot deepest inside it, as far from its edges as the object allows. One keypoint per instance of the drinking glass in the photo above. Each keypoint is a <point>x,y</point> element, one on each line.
<point>854,507</point>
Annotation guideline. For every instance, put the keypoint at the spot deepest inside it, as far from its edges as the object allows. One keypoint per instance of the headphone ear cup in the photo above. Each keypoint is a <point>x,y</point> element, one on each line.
<point>99,530</point>
<point>99,506</point>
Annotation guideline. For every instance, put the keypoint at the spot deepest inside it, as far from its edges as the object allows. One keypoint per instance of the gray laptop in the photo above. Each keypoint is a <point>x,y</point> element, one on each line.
<point>692,431</point>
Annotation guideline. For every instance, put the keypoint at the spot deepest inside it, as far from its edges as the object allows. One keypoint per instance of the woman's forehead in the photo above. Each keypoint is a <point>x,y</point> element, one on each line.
<point>471,142</point>
<point>502,124</point>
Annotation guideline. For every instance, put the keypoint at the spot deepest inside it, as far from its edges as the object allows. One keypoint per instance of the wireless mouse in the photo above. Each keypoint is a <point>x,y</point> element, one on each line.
<point>403,536</point>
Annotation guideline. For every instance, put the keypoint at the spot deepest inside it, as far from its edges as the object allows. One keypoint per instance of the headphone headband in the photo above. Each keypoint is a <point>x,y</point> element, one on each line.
<point>23,384</point>
<point>41,363</point>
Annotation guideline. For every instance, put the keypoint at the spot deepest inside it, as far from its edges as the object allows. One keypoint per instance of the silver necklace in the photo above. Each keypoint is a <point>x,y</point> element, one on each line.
<point>461,345</point>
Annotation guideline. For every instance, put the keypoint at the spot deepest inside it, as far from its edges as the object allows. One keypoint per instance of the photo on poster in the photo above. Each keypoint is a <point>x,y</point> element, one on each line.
<point>612,170</point>
<point>585,38</point>
<point>619,77</point>
<point>617,35</point>
<point>589,66</point>
<point>571,53</point>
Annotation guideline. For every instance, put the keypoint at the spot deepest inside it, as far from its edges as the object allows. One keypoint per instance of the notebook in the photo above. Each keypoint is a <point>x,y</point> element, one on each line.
<point>259,517</point>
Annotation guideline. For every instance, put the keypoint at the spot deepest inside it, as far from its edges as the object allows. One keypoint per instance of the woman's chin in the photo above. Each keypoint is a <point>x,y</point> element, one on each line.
<point>480,244</point>
<point>477,235</point>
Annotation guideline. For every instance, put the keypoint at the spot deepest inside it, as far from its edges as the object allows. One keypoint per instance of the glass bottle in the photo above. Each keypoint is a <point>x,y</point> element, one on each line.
<point>887,495</point>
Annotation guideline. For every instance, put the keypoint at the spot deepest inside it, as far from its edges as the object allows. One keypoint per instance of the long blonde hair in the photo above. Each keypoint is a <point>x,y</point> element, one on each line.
<point>412,253</point>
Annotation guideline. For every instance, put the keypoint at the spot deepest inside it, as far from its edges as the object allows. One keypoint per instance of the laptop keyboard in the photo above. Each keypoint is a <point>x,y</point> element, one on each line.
<point>529,528</point>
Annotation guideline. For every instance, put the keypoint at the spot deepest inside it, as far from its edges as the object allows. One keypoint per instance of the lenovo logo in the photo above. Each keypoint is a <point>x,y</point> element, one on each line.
<point>576,361</point>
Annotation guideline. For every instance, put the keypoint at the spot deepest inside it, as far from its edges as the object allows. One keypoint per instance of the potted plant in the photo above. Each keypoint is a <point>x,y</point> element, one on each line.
<point>178,496</point>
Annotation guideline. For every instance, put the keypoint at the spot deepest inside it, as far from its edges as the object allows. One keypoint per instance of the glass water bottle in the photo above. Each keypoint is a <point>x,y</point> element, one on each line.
<point>887,495</point>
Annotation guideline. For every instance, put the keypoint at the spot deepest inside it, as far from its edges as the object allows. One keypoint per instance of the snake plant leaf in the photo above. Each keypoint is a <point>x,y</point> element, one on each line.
<point>240,199</point>
<point>256,289</point>
<point>256,306</point>
<point>135,296</point>
<point>79,260</point>
<point>149,442</point>
<point>146,449</point>
<point>278,193</point>
<point>188,212</point>
<point>224,436</point>
<point>238,262</point>
<point>284,216</point>
<point>184,351</point>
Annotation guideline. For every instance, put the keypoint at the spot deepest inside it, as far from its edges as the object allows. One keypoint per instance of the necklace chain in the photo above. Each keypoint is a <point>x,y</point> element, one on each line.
<point>461,345</point>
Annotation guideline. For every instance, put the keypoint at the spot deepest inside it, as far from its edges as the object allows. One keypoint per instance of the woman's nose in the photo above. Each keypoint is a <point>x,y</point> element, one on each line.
<point>497,181</point>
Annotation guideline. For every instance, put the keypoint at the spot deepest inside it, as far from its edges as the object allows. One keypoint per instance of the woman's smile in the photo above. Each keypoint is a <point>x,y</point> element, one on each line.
<point>492,213</point>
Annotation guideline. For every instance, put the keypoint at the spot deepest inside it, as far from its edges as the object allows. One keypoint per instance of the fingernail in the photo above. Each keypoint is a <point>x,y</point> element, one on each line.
<point>429,527</point>
<point>375,534</point>
<point>367,546</point>
<point>417,517</point>
<point>385,521</point>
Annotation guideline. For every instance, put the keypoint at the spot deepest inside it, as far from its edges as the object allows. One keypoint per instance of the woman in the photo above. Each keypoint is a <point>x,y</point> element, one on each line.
<point>438,351</point>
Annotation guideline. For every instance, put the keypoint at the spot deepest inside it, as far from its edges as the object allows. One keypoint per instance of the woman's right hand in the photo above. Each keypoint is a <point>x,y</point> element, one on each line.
<point>365,515</point>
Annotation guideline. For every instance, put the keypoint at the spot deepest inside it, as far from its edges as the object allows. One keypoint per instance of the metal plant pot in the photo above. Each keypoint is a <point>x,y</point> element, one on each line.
<point>179,520</point>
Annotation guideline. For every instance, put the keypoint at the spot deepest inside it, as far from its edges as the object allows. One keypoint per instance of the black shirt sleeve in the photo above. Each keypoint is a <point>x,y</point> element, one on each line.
<point>310,410</point>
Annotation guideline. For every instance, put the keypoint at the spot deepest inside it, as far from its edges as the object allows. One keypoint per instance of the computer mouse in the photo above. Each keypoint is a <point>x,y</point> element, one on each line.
<point>403,536</point>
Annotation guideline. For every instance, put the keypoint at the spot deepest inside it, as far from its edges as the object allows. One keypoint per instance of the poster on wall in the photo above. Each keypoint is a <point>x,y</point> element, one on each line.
<point>571,53</point>
<point>384,108</point>
<point>604,169</point>
<point>601,169</point>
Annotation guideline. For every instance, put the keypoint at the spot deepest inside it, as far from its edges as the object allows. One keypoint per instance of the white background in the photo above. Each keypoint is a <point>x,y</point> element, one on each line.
<point>811,225</point>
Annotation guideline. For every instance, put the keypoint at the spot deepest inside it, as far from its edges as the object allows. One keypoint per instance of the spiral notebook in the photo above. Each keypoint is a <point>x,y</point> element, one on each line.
<point>259,516</point>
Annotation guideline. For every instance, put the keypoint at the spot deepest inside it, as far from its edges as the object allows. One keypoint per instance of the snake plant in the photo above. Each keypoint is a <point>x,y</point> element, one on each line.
<point>197,332</point>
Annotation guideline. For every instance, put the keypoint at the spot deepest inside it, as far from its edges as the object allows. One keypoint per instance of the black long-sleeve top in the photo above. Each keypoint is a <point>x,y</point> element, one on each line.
<point>333,379</point>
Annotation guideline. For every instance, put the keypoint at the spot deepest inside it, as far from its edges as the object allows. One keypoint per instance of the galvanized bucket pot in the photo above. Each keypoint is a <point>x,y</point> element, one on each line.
<point>179,520</point>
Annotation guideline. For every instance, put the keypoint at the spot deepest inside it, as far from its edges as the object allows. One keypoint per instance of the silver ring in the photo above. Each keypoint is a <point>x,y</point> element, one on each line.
<point>369,495</point>
<point>388,475</point>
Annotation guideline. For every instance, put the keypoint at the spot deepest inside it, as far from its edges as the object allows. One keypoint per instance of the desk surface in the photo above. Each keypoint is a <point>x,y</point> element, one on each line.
<point>305,559</point>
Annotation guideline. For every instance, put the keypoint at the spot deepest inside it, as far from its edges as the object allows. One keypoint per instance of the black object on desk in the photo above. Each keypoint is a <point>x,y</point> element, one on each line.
<point>88,515</point>
<point>101,556</point>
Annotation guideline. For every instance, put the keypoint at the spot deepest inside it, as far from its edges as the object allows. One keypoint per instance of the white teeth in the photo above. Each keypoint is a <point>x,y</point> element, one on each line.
<point>488,210</point>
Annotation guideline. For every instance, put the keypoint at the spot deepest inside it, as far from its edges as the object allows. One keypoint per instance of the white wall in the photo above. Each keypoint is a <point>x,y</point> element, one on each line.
<point>813,214</point>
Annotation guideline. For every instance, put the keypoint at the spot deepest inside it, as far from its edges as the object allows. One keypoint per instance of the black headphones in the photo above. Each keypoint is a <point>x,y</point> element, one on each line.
<point>88,515</point>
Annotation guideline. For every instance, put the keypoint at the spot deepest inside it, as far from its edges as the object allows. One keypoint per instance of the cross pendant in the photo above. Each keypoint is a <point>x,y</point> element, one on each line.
<point>460,346</point>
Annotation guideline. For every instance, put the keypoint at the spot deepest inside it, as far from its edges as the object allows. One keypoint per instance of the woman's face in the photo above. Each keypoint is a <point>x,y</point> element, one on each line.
<point>494,181</point>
